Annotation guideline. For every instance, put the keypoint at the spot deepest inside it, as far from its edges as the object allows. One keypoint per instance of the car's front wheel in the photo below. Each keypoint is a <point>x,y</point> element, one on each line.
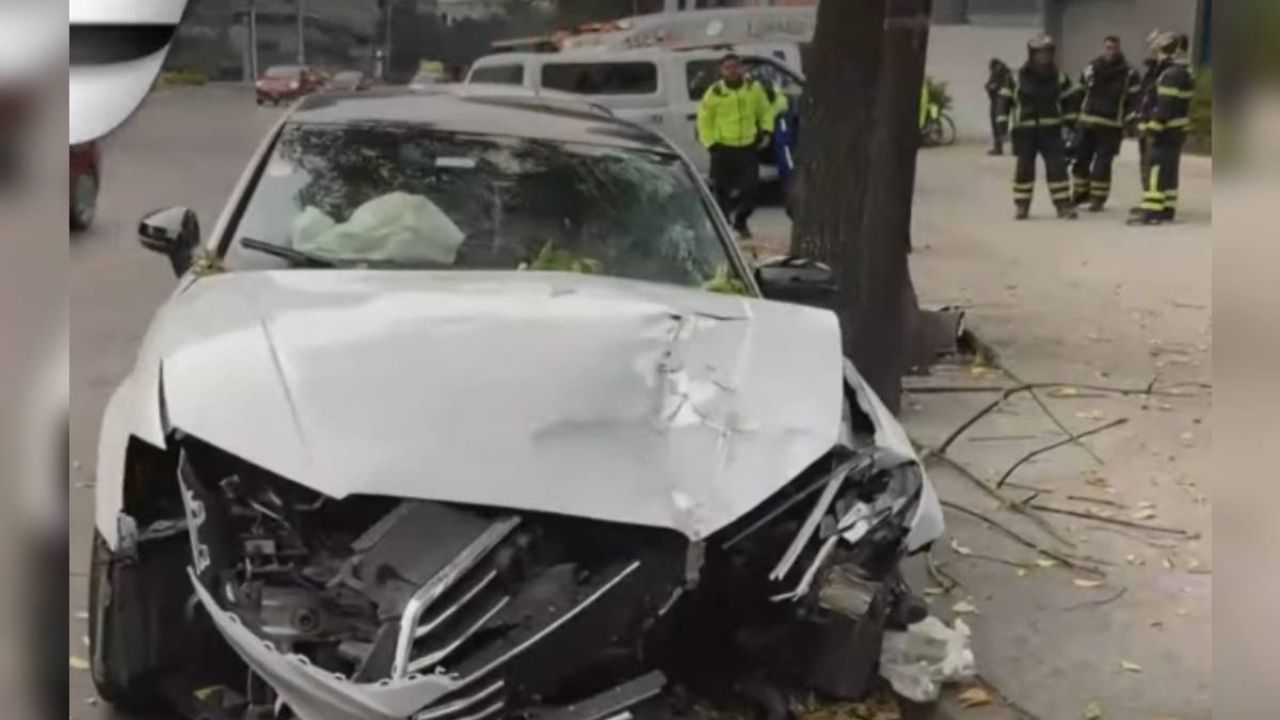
<point>84,200</point>
<point>134,616</point>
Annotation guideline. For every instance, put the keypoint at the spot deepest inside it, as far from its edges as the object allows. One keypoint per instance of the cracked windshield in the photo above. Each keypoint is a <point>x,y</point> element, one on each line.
<point>408,198</point>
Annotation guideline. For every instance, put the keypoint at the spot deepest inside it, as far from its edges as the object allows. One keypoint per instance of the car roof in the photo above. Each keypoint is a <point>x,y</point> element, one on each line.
<point>453,109</point>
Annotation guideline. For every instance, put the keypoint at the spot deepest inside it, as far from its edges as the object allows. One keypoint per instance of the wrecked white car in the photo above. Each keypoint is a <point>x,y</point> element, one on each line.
<point>470,408</point>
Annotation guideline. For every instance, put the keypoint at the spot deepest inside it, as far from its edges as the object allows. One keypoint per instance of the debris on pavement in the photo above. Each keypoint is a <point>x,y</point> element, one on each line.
<point>927,655</point>
<point>1093,711</point>
<point>975,696</point>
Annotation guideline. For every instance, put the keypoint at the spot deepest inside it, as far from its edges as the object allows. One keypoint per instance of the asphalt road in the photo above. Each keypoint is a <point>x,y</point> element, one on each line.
<point>187,147</point>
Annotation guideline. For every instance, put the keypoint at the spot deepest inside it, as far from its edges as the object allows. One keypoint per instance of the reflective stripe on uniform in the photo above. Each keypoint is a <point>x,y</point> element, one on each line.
<point>1099,120</point>
<point>1175,93</point>
<point>1042,122</point>
<point>1153,200</point>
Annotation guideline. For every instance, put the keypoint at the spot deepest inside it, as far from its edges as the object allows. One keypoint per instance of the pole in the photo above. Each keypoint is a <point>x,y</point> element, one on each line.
<point>302,32</point>
<point>253,40</point>
<point>386,54</point>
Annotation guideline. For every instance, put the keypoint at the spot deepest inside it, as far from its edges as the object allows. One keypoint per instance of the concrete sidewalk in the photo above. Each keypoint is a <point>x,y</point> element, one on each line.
<point>1085,302</point>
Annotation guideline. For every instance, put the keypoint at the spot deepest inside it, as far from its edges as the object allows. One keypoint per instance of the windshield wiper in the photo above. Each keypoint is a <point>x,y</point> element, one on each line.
<point>297,258</point>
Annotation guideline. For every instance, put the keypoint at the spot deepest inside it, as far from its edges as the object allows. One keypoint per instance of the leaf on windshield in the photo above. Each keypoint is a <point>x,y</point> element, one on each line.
<point>551,259</point>
<point>725,283</point>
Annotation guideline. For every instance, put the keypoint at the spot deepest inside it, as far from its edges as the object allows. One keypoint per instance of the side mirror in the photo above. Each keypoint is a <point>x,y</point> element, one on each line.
<point>796,280</point>
<point>174,232</point>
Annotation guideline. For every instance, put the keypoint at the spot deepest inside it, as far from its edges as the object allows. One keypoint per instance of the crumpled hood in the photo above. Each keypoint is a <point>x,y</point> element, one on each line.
<point>595,397</point>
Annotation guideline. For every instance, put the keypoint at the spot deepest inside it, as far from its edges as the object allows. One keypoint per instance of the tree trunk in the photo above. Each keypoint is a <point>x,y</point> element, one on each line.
<point>856,174</point>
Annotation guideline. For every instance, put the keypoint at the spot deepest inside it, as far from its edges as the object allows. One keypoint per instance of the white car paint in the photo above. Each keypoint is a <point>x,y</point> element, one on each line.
<point>597,397</point>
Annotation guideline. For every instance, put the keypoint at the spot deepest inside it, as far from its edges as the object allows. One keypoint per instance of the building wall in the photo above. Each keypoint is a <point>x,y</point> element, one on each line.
<point>1080,25</point>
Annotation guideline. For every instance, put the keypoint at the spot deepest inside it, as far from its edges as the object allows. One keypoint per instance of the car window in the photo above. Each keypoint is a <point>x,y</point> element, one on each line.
<point>700,76</point>
<point>405,196</point>
<point>499,74</point>
<point>780,78</point>
<point>605,78</point>
<point>282,72</point>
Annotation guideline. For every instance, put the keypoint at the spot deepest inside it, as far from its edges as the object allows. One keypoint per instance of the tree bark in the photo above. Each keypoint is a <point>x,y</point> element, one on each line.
<point>856,175</point>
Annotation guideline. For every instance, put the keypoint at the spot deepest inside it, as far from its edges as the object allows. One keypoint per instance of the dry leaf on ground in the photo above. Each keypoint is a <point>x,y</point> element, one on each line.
<point>975,697</point>
<point>1146,514</point>
<point>964,607</point>
<point>960,549</point>
<point>1129,666</point>
<point>1093,711</point>
<point>77,663</point>
<point>1045,562</point>
<point>1086,583</point>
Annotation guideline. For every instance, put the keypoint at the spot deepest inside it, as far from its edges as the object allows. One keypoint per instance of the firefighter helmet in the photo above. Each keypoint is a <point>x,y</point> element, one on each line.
<point>1041,42</point>
<point>1167,42</point>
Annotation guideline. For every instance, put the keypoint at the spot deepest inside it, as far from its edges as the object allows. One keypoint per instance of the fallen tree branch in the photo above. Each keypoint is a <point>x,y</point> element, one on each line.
<point>948,389</point>
<point>999,497</point>
<point>1063,558</point>
<point>1098,500</point>
<point>1053,417</point>
<point>1072,438</point>
<point>1132,536</point>
<point>1097,602</point>
<point>1006,393</point>
<point>1112,520</point>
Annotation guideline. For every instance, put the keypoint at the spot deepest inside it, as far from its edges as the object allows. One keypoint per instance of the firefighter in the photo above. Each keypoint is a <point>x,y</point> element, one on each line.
<point>1146,95</point>
<point>1163,121</point>
<point>735,123</point>
<point>1111,88</point>
<point>1037,102</point>
<point>998,77</point>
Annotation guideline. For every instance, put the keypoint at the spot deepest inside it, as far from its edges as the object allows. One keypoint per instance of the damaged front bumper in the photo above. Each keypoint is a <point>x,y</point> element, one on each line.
<point>388,610</point>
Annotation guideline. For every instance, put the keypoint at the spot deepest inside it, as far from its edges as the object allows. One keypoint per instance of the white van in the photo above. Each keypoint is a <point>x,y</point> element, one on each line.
<point>655,87</point>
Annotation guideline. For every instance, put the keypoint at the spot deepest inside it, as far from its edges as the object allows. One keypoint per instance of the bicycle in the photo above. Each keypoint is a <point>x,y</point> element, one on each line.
<point>939,129</point>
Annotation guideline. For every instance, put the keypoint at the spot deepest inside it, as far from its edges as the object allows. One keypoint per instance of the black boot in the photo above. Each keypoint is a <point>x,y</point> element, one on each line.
<point>1067,211</point>
<point>1024,211</point>
<point>1097,204</point>
<point>1146,217</point>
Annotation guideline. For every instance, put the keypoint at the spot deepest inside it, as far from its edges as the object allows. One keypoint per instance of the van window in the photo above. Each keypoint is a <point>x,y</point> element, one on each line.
<point>499,74</point>
<point>701,75</point>
<point>616,78</point>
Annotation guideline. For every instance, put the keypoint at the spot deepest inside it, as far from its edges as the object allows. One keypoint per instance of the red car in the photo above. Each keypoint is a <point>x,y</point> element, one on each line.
<point>84,177</point>
<point>287,82</point>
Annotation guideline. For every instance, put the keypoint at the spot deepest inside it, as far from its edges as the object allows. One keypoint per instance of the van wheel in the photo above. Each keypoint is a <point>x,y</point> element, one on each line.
<point>134,609</point>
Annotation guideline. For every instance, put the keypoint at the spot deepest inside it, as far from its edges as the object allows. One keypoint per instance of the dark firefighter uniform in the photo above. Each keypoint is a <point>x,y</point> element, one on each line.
<point>998,78</point>
<point>1037,103</point>
<point>1146,95</point>
<point>732,122</point>
<point>1111,91</point>
<point>1163,121</point>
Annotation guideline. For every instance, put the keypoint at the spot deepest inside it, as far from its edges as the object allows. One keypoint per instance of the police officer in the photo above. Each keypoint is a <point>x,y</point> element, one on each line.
<point>1036,104</point>
<point>998,77</point>
<point>1111,88</point>
<point>735,122</point>
<point>1163,121</point>
<point>783,138</point>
